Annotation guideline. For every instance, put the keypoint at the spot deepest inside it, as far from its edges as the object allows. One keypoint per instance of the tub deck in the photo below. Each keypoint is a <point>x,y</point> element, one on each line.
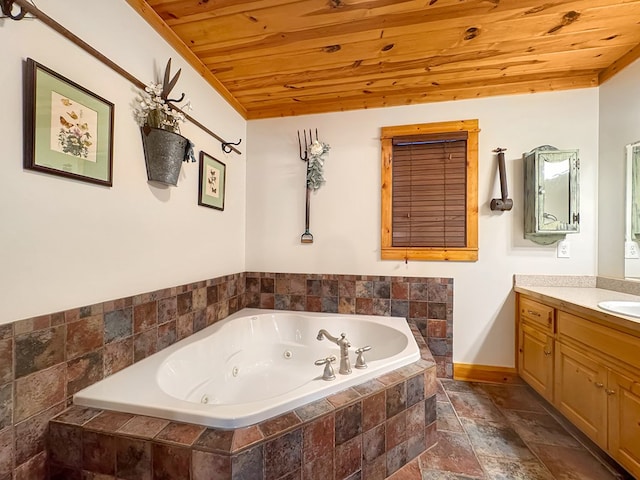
<point>374,428</point>
<point>251,366</point>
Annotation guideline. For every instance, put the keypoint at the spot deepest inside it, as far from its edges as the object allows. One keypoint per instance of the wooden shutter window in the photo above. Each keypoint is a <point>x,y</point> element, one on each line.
<point>429,190</point>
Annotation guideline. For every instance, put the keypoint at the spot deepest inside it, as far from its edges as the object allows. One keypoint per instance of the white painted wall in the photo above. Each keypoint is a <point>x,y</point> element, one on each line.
<point>345,213</point>
<point>619,126</point>
<point>65,243</point>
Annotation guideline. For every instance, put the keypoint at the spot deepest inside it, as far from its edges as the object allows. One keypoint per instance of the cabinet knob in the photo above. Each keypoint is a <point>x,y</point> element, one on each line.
<point>608,391</point>
<point>546,354</point>
<point>531,312</point>
<point>599,384</point>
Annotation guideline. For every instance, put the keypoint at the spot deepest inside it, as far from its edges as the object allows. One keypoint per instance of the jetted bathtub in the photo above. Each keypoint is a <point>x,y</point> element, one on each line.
<point>251,366</point>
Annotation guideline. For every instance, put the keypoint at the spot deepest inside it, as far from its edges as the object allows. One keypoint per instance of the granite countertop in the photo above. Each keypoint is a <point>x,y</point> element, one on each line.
<point>583,301</point>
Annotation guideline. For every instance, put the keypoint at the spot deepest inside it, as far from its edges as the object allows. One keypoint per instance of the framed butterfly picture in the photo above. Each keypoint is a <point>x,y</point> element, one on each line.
<point>213,175</point>
<point>68,129</point>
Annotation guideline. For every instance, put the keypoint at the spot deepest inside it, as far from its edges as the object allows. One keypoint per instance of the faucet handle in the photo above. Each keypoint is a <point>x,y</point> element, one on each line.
<point>324,361</point>
<point>328,373</point>
<point>360,361</point>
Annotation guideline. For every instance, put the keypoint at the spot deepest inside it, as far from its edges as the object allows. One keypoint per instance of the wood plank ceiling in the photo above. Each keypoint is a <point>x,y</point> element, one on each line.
<point>274,58</point>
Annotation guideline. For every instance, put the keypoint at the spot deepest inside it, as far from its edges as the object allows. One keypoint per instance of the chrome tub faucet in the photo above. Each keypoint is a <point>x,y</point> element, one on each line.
<point>343,343</point>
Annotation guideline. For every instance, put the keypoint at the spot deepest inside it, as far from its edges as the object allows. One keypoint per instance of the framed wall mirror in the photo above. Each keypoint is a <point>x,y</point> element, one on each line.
<point>551,205</point>
<point>632,213</point>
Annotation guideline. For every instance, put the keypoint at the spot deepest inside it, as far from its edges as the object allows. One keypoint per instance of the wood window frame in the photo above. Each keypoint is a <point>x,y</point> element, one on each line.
<point>470,251</point>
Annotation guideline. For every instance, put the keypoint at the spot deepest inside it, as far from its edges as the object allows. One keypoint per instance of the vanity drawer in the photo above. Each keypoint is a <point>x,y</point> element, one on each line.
<point>538,313</point>
<point>611,342</point>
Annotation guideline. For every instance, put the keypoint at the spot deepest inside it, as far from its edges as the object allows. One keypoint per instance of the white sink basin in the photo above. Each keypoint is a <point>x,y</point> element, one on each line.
<point>631,309</point>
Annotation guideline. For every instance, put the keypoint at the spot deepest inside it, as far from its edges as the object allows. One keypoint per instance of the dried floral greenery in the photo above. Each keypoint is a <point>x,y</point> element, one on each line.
<point>153,107</point>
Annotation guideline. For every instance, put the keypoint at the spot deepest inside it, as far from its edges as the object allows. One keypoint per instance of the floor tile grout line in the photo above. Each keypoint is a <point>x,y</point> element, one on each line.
<point>510,424</point>
<point>554,415</point>
<point>561,421</point>
<point>448,400</point>
<point>485,473</point>
<point>536,456</point>
<point>494,399</point>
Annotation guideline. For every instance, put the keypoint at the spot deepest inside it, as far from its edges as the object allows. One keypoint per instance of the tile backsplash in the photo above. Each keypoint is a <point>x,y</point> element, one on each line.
<point>46,359</point>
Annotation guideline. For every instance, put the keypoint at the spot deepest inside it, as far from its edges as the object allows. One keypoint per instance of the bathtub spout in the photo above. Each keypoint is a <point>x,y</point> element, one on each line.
<point>343,343</point>
<point>328,336</point>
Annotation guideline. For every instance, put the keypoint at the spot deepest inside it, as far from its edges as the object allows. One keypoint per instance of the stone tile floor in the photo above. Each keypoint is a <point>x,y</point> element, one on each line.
<point>501,432</point>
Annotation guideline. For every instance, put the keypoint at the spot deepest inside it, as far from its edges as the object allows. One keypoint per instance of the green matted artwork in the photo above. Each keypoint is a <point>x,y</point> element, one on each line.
<point>213,174</point>
<point>68,129</point>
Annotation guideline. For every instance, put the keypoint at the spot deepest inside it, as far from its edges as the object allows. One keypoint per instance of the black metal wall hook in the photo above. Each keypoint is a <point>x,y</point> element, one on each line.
<point>226,146</point>
<point>7,7</point>
<point>175,100</point>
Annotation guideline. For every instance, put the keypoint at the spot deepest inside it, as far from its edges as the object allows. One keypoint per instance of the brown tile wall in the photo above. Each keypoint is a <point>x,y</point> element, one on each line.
<point>427,302</point>
<point>45,360</point>
<point>368,432</point>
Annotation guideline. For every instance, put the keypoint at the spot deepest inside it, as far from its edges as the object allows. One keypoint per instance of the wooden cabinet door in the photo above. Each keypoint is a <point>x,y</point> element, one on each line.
<point>535,362</point>
<point>624,420</point>
<point>580,384</point>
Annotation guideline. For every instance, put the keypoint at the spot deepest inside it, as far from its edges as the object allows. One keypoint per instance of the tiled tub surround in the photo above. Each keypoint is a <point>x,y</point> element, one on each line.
<point>46,359</point>
<point>366,432</point>
<point>426,302</point>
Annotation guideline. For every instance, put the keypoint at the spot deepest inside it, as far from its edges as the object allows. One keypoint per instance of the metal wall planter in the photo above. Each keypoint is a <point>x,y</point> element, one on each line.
<point>164,152</point>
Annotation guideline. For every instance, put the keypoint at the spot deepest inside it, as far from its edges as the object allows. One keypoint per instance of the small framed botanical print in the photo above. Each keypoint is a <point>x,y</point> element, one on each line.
<point>213,174</point>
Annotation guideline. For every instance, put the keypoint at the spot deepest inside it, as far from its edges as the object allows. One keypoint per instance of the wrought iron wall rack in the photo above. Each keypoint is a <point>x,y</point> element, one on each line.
<point>7,7</point>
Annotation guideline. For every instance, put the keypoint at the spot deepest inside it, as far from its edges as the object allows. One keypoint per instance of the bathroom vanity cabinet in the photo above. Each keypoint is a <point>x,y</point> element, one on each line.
<point>536,344</point>
<point>588,368</point>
